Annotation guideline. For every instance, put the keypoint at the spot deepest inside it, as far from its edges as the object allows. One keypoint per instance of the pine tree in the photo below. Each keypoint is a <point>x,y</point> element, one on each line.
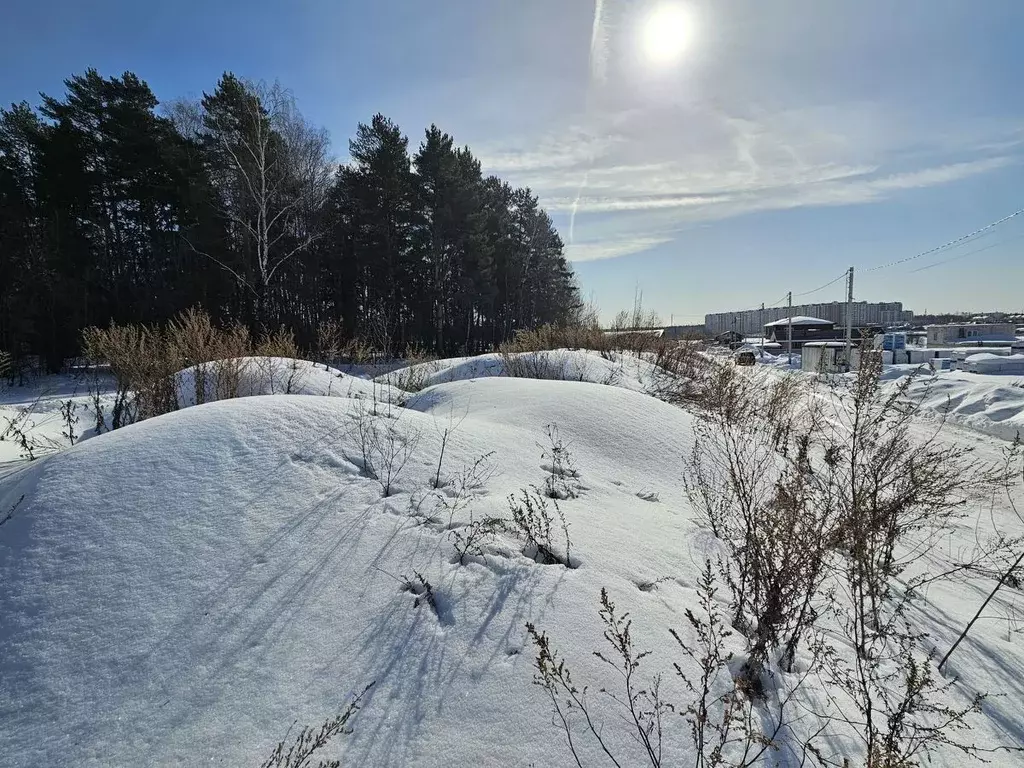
<point>380,183</point>
<point>450,238</point>
<point>113,211</point>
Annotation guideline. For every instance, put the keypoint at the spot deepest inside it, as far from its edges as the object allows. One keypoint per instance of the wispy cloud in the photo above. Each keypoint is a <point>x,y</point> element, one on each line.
<point>698,164</point>
<point>611,249</point>
<point>943,174</point>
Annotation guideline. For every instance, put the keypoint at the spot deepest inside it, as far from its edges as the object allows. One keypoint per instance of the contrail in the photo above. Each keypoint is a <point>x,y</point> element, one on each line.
<point>598,45</point>
<point>598,72</point>
<point>576,204</point>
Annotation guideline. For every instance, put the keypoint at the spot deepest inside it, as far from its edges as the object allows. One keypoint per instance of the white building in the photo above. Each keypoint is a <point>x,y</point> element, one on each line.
<point>750,321</point>
<point>969,333</point>
<point>824,357</point>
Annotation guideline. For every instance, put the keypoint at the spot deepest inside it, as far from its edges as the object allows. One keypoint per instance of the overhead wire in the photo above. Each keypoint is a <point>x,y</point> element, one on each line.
<point>956,242</point>
<point>826,285</point>
<point>965,255</point>
<point>950,244</point>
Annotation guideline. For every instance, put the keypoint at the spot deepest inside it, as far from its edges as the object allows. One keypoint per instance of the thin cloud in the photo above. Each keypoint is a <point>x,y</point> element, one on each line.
<point>612,249</point>
<point>943,174</point>
<point>702,165</point>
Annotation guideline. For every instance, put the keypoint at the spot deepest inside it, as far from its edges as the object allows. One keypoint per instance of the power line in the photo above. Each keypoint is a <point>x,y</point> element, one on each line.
<point>965,255</point>
<point>826,285</point>
<point>950,244</point>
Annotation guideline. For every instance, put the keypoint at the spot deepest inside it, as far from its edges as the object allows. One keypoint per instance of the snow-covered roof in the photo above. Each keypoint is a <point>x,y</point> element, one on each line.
<point>970,324</point>
<point>799,320</point>
<point>758,341</point>
<point>639,331</point>
<point>990,356</point>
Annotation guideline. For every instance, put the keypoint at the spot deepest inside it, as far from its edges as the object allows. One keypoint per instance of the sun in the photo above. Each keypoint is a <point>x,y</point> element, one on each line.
<point>667,33</point>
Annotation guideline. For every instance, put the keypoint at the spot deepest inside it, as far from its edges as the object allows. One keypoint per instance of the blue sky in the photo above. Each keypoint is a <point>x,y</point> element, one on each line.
<point>788,141</point>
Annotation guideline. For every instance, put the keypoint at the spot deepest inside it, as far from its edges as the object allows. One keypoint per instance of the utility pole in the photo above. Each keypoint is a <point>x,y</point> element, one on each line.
<point>849,316</point>
<point>789,329</point>
<point>760,320</point>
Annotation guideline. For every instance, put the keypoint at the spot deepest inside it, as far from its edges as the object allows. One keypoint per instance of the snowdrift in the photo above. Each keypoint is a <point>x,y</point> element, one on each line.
<point>181,590</point>
<point>249,376</point>
<point>985,403</point>
<point>614,369</point>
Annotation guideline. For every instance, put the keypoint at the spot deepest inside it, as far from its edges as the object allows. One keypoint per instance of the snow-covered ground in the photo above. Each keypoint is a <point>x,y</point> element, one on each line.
<point>35,409</point>
<point>249,376</point>
<point>989,403</point>
<point>182,590</point>
<point>611,368</point>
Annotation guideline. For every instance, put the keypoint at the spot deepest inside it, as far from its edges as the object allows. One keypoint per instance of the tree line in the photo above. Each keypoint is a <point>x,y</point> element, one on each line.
<point>114,208</point>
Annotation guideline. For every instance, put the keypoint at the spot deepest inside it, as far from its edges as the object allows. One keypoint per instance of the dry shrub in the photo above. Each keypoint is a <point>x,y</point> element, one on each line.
<point>329,344</point>
<point>760,498</point>
<point>549,365</point>
<point>538,524</point>
<point>891,488</point>
<point>310,742</point>
<point>356,351</point>
<point>817,496</point>
<point>143,363</point>
<point>726,727</point>
<point>416,353</point>
<point>214,354</point>
<point>822,505</point>
<point>549,337</point>
<point>384,448</point>
<point>681,372</point>
<point>413,377</point>
<point>144,360</point>
<point>280,343</point>
<point>195,339</point>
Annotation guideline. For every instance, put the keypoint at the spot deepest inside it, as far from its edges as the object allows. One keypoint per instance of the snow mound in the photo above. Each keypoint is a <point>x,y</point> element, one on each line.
<point>984,403</point>
<point>986,362</point>
<point>181,590</point>
<point>614,369</point>
<point>249,376</point>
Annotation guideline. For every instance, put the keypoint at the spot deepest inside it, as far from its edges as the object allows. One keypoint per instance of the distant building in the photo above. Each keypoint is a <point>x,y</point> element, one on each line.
<point>729,337</point>
<point>678,332</point>
<point>969,333</point>
<point>824,357</point>
<point>862,314</point>
<point>803,329</point>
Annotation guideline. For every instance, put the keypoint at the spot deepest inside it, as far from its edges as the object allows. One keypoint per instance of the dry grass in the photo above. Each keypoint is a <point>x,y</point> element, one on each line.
<point>144,360</point>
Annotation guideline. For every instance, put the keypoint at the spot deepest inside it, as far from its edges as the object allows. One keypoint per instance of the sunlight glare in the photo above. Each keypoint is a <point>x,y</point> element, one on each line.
<point>667,33</point>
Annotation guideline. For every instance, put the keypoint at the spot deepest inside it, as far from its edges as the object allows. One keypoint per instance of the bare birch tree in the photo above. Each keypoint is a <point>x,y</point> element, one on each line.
<point>273,172</point>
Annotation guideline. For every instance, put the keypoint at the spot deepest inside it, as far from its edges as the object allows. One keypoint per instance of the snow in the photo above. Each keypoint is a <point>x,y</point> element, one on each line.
<point>613,368</point>
<point>249,376</point>
<point>182,590</point>
<point>995,364</point>
<point>36,409</point>
<point>799,320</point>
<point>36,406</point>
<point>989,404</point>
<point>781,360</point>
<point>186,587</point>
